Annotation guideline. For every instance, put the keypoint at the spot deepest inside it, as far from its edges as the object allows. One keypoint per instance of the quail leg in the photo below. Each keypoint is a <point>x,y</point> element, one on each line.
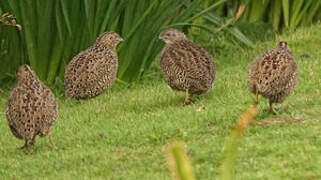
<point>256,97</point>
<point>24,146</point>
<point>187,98</point>
<point>30,146</point>
<point>271,108</point>
<point>52,143</point>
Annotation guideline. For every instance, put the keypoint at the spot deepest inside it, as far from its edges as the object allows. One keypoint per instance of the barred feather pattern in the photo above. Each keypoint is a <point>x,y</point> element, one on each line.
<point>274,74</point>
<point>187,66</point>
<point>32,108</point>
<point>94,70</point>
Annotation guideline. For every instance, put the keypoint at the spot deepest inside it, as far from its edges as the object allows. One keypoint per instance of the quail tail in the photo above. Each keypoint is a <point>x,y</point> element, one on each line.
<point>53,145</point>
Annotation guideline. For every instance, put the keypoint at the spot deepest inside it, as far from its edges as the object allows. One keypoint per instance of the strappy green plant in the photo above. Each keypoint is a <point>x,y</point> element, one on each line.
<point>53,32</point>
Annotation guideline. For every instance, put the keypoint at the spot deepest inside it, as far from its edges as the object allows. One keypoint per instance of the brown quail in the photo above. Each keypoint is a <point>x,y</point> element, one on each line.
<point>186,66</point>
<point>273,74</point>
<point>93,70</point>
<point>32,108</point>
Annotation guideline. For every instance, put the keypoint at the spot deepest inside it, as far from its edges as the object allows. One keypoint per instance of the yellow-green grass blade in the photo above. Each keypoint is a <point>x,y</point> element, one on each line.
<point>286,12</point>
<point>312,13</point>
<point>28,21</point>
<point>295,10</point>
<point>302,13</point>
<point>258,9</point>
<point>206,10</point>
<point>179,164</point>
<point>64,8</point>
<point>275,15</point>
<point>234,141</point>
<point>232,30</point>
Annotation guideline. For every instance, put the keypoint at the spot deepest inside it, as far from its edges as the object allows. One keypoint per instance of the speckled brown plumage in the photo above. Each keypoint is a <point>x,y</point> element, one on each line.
<point>32,108</point>
<point>186,66</point>
<point>94,70</point>
<point>273,74</point>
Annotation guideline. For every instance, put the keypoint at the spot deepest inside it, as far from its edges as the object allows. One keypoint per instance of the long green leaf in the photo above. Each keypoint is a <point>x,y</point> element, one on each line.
<point>312,12</point>
<point>258,9</point>
<point>286,10</point>
<point>206,10</point>
<point>296,7</point>
<point>275,17</point>
<point>302,13</point>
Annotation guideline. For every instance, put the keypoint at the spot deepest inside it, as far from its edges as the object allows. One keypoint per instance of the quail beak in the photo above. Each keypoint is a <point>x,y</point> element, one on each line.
<point>160,37</point>
<point>121,39</point>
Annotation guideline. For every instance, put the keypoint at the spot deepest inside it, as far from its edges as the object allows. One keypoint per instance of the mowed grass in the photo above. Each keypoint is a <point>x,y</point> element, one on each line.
<point>123,133</point>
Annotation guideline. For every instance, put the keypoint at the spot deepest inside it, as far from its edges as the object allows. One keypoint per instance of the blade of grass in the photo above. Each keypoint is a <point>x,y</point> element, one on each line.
<point>234,141</point>
<point>190,8</point>
<point>295,12</point>
<point>286,10</point>
<point>275,17</point>
<point>64,8</point>
<point>206,10</point>
<point>233,30</point>
<point>28,19</point>
<point>314,9</point>
<point>179,163</point>
<point>258,9</point>
<point>302,13</point>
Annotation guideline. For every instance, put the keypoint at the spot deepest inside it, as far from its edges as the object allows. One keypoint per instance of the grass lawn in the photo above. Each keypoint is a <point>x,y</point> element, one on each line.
<point>122,134</point>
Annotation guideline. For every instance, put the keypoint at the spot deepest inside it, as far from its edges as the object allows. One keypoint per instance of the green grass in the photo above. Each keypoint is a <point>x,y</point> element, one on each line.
<point>122,134</point>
